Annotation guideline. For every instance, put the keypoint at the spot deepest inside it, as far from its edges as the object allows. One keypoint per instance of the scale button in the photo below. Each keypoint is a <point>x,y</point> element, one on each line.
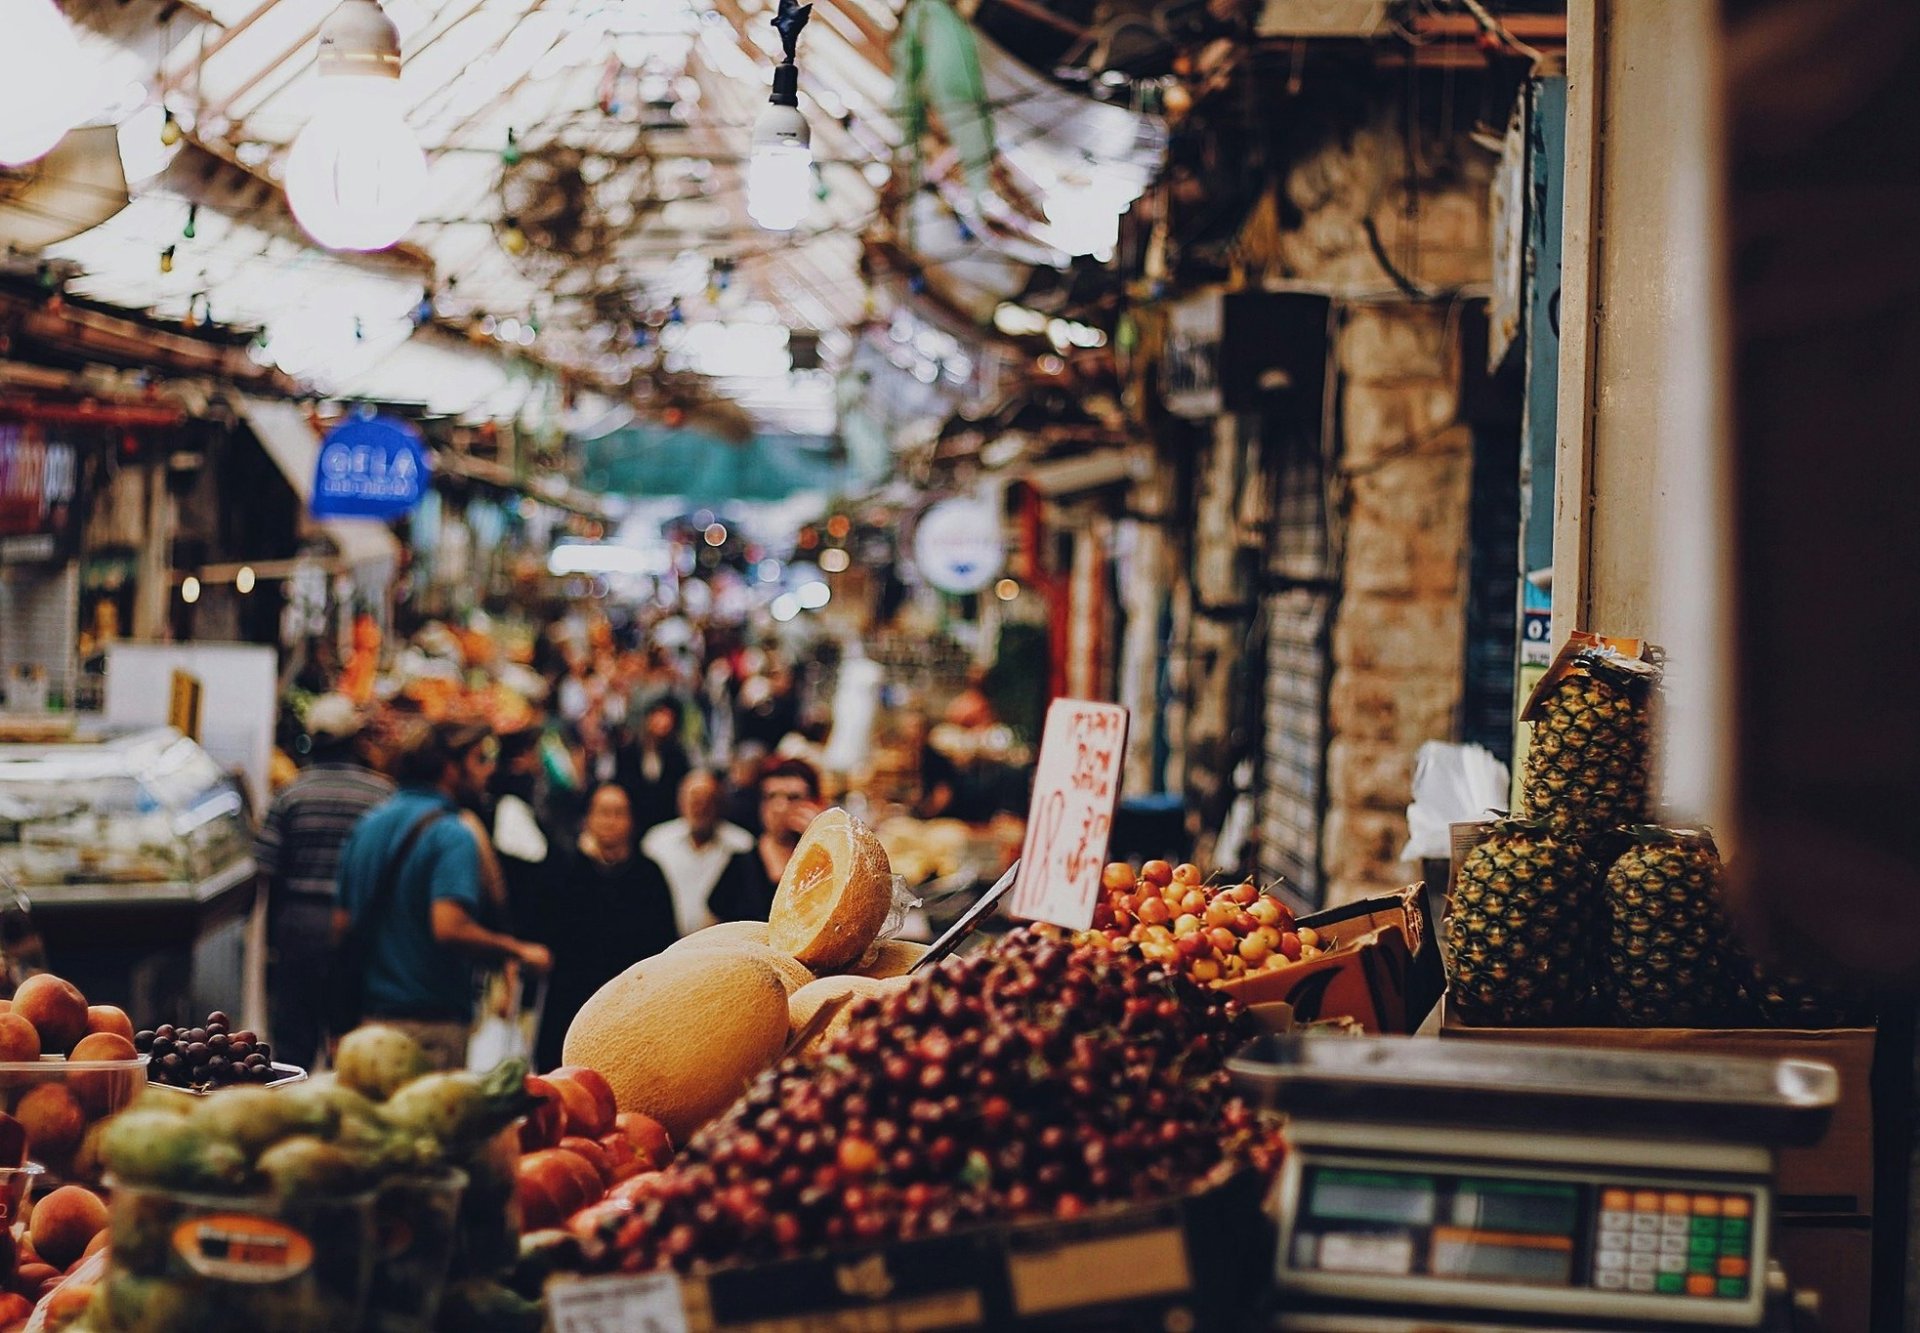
<point>1615,1219</point>
<point>1675,1203</point>
<point>1734,1246</point>
<point>1646,1224</point>
<point>1731,1266</point>
<point>1612,1240</point>
<point>1700,1285</point>
<point>1616,1201</point>
<point>1674,1245</point>
<point>1646,1201</point>
<point>1733,1288</point>
<point>1706,1205</point>
<point>1645,1244</point>
<point>1675,1224</point>
<point>1612,1259</point>
<point>1672,1263</point>
<point>1705,1226</point>
<point>1699,1264</point>
<point>1610,1280</point>
<point>1642,1263</point>
<point>1734,1228</point>
<point>1736,1205</point>
<point>1704,1245</point>
<point>1640,1282</point>
<point>1672,1283</point>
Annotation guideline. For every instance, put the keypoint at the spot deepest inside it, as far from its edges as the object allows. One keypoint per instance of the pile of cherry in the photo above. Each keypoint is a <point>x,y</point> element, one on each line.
<point>1038,1079</point>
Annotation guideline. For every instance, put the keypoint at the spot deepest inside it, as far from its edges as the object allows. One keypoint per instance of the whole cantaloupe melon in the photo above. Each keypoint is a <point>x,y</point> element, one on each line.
<point>747,939</point>
<point>679,1036</point>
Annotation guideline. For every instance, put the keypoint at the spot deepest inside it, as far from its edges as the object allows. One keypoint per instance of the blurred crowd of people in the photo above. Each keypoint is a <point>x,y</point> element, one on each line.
<point>632,796</point>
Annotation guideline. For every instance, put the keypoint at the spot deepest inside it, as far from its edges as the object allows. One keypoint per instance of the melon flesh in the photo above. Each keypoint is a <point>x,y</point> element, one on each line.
<point>834,895</point>
<point>679,1036</point>
<point>891,958</point>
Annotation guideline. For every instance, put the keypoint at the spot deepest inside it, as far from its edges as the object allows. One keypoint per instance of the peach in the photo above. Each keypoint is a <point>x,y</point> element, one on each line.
<point>65,1223</point>
<point>55,1007</point>
<point>109,1018</point>
<point>66,1305</point>
<point>622,1157</point>
<point>28,1277</point>
<point>53,1119</point>
<point>14,1308</point>
<point>648,1136</point>
<point>95,1089</point>
<point>594,1116</point>
<point>19,1040</point>
<point>97,1244</point>
<point>595,1154</point>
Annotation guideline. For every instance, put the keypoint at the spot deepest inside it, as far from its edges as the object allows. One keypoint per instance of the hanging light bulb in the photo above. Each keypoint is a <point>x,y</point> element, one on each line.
<point>780,168</point>
<point>356,176</point>
<point>43,81</point>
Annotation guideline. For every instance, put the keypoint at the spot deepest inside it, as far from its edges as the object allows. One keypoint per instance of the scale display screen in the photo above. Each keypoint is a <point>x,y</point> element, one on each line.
<point>1514,1231</point>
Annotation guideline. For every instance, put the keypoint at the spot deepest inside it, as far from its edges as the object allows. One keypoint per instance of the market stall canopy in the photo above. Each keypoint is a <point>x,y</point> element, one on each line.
<point>695,466</point>
<point>80,184</point>
<point>291,442</point>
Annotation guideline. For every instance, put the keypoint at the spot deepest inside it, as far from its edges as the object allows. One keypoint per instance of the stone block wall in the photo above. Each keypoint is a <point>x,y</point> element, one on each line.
<point>1405,468</point>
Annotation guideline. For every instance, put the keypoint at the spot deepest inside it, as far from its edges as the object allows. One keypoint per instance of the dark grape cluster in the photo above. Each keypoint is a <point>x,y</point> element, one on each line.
<point>205,1057</point>
<point>1038,1079</point>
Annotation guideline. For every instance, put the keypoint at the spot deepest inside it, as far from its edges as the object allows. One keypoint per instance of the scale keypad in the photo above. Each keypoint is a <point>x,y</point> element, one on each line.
<point>1674,1243</point>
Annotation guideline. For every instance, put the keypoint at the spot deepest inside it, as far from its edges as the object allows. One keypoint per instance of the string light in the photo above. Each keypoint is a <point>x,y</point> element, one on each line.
<point>244,580</point>
<point>190,590</point>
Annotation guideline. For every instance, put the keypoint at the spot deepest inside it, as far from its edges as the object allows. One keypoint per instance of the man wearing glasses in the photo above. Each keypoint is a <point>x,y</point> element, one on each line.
<point>411,894</point>
<point>789,800</point>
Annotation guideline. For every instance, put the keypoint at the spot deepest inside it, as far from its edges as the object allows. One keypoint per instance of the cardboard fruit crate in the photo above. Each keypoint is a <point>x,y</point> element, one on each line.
<point>1199,1261</point>
<point>1383,972</point>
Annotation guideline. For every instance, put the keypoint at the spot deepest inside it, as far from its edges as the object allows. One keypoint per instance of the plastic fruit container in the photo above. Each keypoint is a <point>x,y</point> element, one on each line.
<point>417,1218</point>
<point>212,1263</point>
<point>58,1101</point>
<point>16,1184</point>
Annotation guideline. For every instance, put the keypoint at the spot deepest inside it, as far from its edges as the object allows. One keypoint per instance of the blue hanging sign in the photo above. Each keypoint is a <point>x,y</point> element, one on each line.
<point>370,467</point>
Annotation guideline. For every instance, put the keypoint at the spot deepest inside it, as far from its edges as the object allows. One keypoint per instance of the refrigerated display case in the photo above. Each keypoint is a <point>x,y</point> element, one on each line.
<point>134,852</point>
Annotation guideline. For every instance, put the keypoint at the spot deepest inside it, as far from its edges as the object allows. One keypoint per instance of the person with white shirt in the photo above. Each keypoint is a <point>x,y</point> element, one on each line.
<point>694,849</point>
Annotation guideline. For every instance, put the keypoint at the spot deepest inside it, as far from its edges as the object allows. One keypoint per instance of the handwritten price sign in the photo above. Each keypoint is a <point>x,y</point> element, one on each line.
<point>1076,789</point>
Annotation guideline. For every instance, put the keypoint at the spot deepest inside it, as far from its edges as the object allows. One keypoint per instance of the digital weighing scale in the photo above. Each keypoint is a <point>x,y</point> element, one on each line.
<point>1435,1185</point>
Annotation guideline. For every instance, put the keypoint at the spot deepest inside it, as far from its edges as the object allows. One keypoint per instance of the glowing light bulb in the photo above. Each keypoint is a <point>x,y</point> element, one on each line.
<point>244,580</point>
<point>780,169</point>
<point>44,81</point>
<point>190,590</point>
<point>356,177</point>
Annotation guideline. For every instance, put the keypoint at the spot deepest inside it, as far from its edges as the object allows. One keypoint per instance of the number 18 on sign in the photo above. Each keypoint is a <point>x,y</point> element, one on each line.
<point>1076,789</point>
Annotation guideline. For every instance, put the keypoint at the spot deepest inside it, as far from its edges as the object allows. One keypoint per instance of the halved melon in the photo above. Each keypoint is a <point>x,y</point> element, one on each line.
<point>833,897</point>
<point>891,958</point>
<point>727,932</point>
<point>806,1002</point>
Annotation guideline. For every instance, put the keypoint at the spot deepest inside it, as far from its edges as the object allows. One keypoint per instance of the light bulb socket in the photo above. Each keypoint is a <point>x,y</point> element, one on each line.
<point>359,39</point>
<point>786,85</point>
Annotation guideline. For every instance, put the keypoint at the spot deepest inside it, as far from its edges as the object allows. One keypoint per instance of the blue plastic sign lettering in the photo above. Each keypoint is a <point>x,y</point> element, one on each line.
<point>370,467</point>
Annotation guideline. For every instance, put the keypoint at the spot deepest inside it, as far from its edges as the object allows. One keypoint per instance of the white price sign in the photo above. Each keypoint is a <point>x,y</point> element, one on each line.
<point>1076,789</point>
<point>641,1303</point>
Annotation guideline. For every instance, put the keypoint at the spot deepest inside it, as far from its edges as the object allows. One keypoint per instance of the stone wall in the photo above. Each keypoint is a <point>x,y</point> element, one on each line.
<point>1405,468</point>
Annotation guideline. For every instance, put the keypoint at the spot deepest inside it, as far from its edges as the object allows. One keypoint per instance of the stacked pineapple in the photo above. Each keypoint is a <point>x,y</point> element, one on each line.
<point>1581,910</point>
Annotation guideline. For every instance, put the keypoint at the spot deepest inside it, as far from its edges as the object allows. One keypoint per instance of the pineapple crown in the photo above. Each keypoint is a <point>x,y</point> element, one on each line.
<point>1633,674</point>
<point>1649,835</point>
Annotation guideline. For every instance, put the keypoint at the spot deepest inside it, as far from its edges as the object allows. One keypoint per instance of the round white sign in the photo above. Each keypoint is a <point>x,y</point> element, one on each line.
<point>958,546</point>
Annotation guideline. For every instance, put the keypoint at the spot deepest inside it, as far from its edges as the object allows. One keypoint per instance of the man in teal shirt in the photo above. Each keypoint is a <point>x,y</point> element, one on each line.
<point>425,935</point>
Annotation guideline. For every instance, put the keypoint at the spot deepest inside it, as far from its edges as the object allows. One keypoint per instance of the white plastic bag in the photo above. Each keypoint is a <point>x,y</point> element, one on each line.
<point>1451,784</point>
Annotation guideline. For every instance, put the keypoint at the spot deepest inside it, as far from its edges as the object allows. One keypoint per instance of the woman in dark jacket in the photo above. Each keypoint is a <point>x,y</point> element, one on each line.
<point>606,911</point>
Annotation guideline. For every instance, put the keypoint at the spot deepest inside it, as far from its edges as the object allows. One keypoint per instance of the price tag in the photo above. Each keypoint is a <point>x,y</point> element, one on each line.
<point>641,1303</point>
<point>1076,789</point>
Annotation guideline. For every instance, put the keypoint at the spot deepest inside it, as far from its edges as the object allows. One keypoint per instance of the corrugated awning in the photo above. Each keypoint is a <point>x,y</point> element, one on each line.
<point>283,431</point>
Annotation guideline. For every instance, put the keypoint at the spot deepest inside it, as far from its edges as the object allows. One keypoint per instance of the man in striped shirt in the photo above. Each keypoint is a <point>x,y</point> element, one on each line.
<point>298,853</point>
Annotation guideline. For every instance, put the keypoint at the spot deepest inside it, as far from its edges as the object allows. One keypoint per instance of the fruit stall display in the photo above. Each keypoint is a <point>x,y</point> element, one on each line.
<point>1215,933</point>
<point>207,1055</point>
<point>1580,910</point>
<point>65,1066</point>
